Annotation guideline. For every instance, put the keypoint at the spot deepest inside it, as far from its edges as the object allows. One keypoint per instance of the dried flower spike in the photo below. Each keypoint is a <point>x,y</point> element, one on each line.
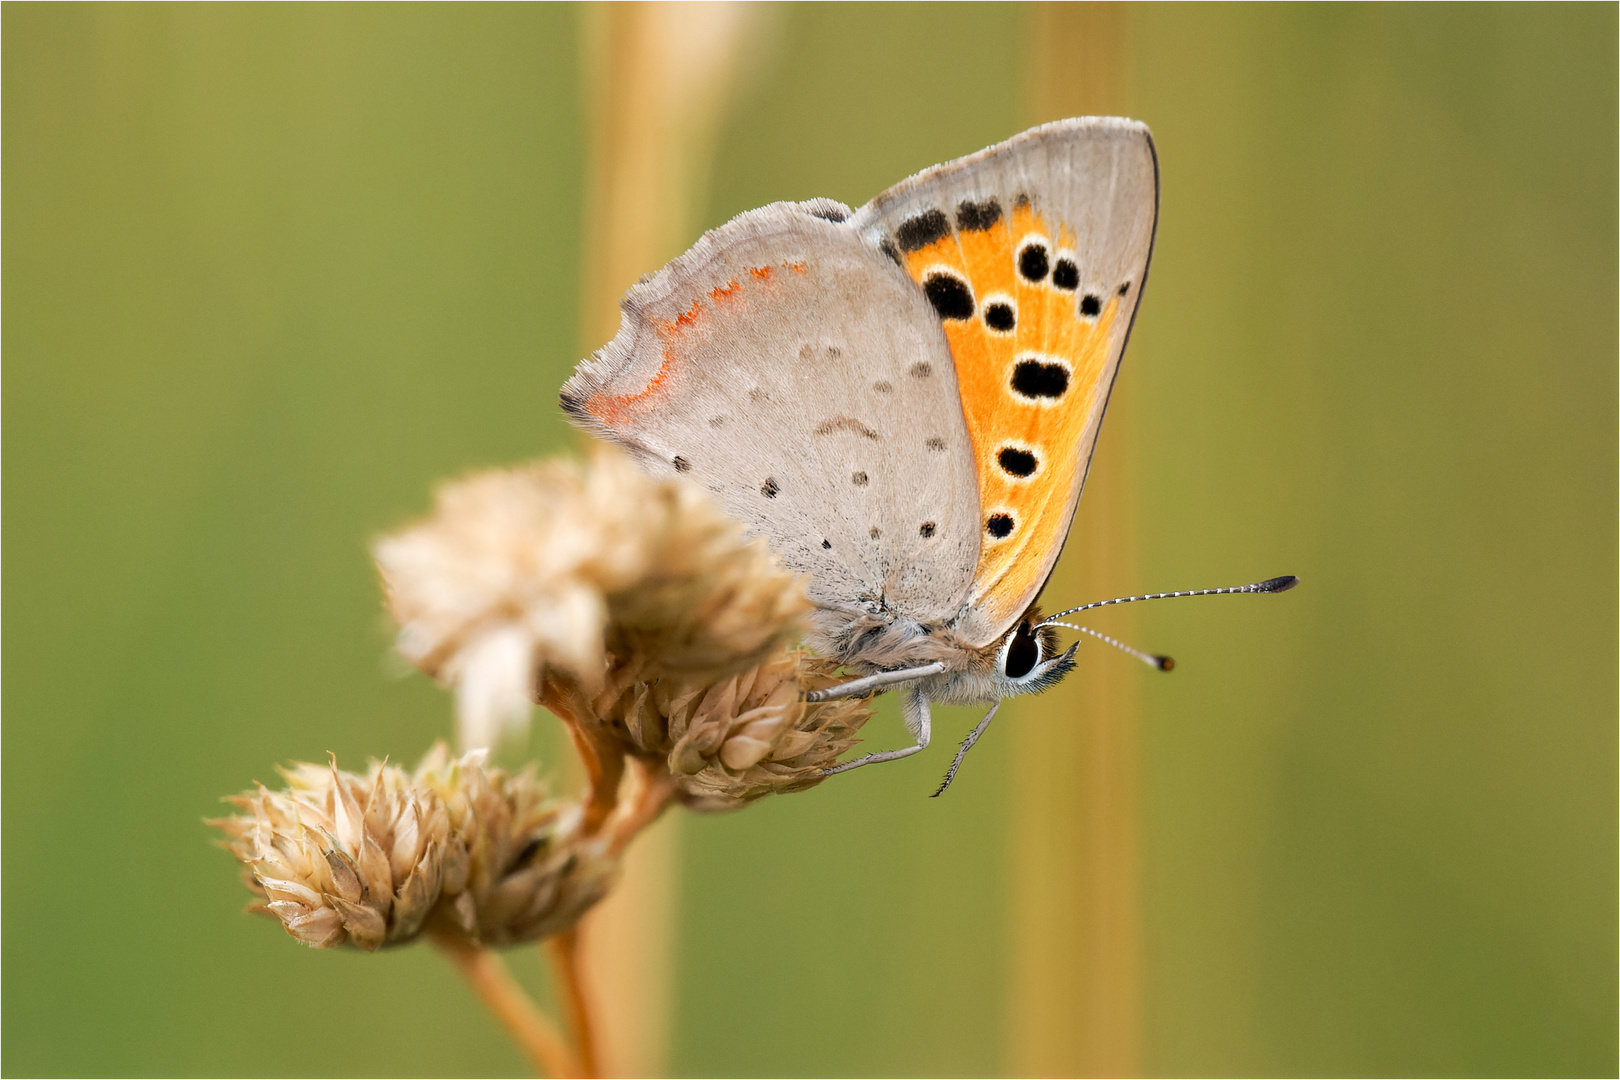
<point>730,741</point>
<point>569,570</point>
<point>373,860</point>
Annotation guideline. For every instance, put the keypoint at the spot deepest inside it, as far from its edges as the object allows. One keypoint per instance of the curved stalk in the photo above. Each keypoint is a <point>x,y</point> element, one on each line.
<point>530,1028</point>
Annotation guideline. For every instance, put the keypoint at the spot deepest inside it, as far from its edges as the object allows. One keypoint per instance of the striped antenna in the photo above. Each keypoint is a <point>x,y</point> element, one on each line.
<point>1270,585</point>
<point>1163,663</point>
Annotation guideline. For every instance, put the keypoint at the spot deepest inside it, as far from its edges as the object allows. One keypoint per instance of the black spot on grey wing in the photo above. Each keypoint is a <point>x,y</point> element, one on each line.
<point>1016,462</point>
<point>999,317</point>
<point>999,526</point>
<point>806,351</point>
<point>1021,201</point>
<point>858,479</point>
<point>921,369</point>
<point>769,488</point>
<point>843,423</point>
<point>922,230</point>
<point>717,421</point>
<point>926,529</point>
<point>1125,288</point>
<point>1039,379</point>
<point>827,544</point>
<point>834,352</point>
<point>758,394</point>
<point>834,214</point>
<point>1033,263</point>
<point>935,444</point>
<point>1066,275</point>
<point>974,216</point>
<point>874,532</point>
<point>1090,306</point>
<point>883,386</point>
<point>681,464</point>
<point>950,295</point>
<point>888,248</point>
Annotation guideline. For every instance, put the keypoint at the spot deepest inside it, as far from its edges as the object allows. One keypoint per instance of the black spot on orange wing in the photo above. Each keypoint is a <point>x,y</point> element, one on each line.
<point>974,216</point>
<point>999,317</point>
<point>1090,306</point>
<point>1016,462</point>
<point>1039,379</point>
<point>1066,275</point>
<point>1033,263</point>
<point>681,464</point>
<point>922,230</point>
<point>999,526</point>
<point>950,295</point>
<point>770,487</point>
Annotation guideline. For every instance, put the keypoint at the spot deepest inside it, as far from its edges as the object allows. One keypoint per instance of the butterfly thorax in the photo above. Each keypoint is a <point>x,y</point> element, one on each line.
<point>974,674</point>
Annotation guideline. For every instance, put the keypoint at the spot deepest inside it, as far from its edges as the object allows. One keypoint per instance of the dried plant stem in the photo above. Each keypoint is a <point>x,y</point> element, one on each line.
<point>1074,1006</point>
<point>532,1029</point>
<point>656,81</point>
<point>652,790</point>
<point>563,952</point>
<point>603,760</point>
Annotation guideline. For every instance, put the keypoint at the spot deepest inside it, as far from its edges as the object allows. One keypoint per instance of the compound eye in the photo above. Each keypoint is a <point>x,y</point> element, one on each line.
<point>1023,652</point>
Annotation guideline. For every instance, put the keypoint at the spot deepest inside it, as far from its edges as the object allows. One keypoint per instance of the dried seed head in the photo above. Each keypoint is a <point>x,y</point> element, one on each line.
<point>730,741</point>
<point>368,861</point>
<point>555,567</point>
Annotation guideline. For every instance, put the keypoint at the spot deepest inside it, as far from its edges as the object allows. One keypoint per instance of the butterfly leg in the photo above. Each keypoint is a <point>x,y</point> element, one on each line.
<point>858,687</point>
<point>918,721</point>
<point>967,744</point>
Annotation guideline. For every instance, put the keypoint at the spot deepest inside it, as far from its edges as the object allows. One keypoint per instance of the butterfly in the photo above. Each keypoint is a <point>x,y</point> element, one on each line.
<point>903,399</point>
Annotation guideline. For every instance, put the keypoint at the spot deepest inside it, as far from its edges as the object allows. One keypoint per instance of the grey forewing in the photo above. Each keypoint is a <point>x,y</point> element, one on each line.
<point>797,373</point>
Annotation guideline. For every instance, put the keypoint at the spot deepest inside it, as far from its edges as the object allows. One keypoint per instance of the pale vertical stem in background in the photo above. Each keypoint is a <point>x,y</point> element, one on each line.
<point>1075,977</point>
<point>656,78</point>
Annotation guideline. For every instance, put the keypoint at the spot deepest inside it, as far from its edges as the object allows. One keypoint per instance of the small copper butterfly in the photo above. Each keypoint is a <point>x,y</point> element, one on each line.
<point>903,399</point>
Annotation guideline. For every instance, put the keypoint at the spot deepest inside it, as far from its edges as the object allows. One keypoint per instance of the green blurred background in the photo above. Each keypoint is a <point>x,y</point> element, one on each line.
<point>271,271</point>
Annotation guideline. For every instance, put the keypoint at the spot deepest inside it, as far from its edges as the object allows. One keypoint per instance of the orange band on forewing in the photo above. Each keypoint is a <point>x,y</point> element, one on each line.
<point>1044,429</point>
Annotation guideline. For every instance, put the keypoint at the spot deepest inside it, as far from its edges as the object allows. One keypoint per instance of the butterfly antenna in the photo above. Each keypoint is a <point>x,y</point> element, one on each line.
<point>1163,663</point>
<point>1270,585</point>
